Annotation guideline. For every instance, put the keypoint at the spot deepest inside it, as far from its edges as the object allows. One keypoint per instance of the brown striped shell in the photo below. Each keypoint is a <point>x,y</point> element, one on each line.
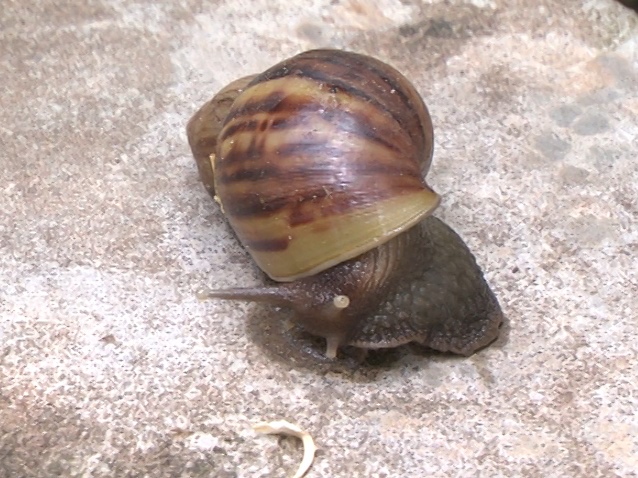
<point>321,158</point>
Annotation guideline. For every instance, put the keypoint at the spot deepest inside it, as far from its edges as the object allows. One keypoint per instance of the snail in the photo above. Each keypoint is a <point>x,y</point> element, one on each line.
<point>319,166</point>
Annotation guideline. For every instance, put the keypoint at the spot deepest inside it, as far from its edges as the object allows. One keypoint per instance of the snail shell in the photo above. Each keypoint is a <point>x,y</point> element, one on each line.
<point>322,158</point>
<point>319,165</point>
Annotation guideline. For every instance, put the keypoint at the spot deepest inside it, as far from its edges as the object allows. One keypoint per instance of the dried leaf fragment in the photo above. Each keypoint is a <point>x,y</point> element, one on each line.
<point>282,427</point>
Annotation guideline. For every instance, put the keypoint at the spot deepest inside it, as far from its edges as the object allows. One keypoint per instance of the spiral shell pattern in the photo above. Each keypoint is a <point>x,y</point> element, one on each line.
<point>321,158</point>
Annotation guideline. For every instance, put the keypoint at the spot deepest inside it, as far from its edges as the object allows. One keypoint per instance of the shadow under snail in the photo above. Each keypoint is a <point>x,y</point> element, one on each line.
<point>318,164</point>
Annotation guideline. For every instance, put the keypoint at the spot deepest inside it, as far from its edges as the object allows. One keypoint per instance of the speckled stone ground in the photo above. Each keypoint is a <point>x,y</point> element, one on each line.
<point>110,366</point>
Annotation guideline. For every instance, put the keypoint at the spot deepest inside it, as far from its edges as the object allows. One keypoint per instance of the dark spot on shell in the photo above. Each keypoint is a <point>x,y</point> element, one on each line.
<point>268,245</point>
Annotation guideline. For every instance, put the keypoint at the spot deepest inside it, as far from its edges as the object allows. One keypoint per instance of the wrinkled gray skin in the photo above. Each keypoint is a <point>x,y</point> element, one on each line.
<point>445,303</point>
<point>422,286</point>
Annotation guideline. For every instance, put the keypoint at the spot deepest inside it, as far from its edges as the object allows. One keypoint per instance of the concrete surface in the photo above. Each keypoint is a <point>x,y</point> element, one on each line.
<point>109,366</point>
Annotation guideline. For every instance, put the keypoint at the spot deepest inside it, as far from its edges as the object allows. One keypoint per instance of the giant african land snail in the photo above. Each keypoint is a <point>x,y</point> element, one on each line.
<point>319,165</point>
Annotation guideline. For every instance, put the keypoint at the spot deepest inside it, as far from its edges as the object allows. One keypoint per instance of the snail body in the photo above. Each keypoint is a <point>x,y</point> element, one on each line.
<point>319,165</point>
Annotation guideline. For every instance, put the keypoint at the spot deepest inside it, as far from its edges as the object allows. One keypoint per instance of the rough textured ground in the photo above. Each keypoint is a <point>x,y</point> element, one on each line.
<point>109,366</point>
